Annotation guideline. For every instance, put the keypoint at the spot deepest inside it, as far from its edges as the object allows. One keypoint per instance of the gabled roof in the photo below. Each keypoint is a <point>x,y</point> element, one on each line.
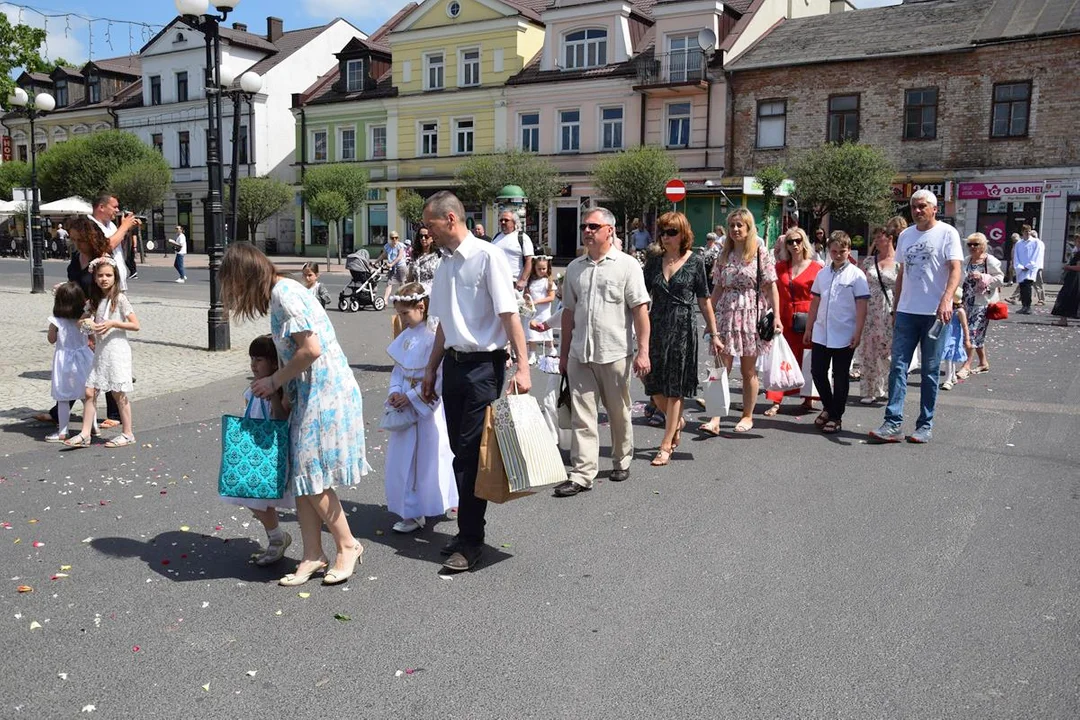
<point>1014,20</point>
<point>914,28</point>
<point>66,71</point>
<point>532,74</point>
<point>235,37</point>
<point>530,9</point>
<point>380,34</point>
<point>130,65</point>
<point>739,6</point>
<point>288,44</point>
<point>359,45</point>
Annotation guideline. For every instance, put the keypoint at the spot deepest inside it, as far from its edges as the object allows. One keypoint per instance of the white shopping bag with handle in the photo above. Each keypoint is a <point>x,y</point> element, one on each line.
<point>717,393</point>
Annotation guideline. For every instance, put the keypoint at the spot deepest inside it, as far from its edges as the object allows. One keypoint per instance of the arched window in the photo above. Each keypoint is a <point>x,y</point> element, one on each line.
<point>585,49</point>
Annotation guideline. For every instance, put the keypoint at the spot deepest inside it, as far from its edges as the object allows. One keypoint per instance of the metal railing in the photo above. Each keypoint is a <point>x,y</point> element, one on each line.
<point>679,66</point>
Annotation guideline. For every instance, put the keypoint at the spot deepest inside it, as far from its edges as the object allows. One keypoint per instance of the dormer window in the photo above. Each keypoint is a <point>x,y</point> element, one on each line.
<point>585,49</point>
<point>180,37</point>
<point>354,75</point>
<point>61,93</point>
<point>93,87</point>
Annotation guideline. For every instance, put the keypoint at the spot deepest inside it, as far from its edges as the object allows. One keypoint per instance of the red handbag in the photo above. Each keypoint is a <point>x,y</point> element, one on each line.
<point>997,311</point>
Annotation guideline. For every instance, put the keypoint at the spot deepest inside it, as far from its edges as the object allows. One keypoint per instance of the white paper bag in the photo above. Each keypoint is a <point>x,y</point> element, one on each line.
<point>717,394</point>
<point>531,458</point>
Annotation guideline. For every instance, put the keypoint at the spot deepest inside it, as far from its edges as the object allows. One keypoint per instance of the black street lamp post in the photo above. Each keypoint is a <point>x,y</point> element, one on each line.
<point>196,15</point>
<point>250,85</point>
<point>41,103</point>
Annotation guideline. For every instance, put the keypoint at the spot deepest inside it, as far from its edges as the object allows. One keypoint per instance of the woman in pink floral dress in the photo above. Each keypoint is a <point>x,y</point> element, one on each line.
<point>875,350</point>
<point>745,291</point>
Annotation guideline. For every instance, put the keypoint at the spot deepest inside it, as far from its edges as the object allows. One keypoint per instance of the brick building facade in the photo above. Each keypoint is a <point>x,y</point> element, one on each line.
<point>966,109</point>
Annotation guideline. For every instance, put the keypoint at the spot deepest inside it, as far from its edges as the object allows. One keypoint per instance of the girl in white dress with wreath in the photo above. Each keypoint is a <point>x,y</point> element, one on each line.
<point>73,357</point>
<point>113,318</point>
<point>541,292</point>
<point>419,464</point>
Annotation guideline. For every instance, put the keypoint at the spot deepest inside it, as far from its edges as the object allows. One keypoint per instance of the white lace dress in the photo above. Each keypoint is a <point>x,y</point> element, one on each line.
<point>112,353</point>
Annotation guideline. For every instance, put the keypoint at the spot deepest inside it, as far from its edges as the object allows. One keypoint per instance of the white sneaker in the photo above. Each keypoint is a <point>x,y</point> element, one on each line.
<point>946,385</point>
<point>408,526</point>
<point>179,280</point>
<point>55,438</point>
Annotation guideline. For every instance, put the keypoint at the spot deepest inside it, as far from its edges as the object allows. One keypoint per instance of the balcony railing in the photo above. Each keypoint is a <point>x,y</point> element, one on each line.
<point>680,66</point>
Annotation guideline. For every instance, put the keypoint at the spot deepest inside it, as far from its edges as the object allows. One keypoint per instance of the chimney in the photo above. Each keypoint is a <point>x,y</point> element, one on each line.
<point>274,28</point>
<point>241,27</point>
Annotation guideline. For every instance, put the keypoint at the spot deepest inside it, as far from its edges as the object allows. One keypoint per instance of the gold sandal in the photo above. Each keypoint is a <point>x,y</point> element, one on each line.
<point>663,457</point>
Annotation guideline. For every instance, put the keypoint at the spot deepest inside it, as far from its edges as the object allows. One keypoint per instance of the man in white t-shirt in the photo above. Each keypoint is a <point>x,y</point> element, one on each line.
<point>106,208</point>
<point>518,249</point>
<point>928,258</point>
<point>180,243</point>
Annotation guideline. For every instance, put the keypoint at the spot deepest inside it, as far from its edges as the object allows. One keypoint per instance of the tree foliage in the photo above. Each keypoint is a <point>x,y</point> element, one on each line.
<point>13,174</point>
<point>410,206</point>
<point>481,177</point>
<point>141,186</point>
<point>348,181</point>
<point>635,178</point>
<point>84,165</point>
<point>19,48</point>
<point>851,180</point>
<point>769,179</point>
<point>260,198</point>
<point>331,207</point>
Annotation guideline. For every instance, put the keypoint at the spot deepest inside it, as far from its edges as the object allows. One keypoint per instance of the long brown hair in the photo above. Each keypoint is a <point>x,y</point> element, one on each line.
<point>247,277</point>
<point>96,293</point>
<point>750,246</point>
<point>676,221</point>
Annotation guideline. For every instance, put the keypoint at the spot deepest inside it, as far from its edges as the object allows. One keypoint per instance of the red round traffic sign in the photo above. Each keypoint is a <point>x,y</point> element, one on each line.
<point>675,190</point>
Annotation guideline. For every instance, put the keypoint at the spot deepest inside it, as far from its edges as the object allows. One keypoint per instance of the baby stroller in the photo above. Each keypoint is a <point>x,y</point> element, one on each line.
<point>361,291</point>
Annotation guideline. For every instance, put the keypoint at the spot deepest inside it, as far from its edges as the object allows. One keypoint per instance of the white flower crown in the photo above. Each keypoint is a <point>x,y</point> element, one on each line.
<point>103,259</point>
<point>415,297</point>
<point>549,258</point>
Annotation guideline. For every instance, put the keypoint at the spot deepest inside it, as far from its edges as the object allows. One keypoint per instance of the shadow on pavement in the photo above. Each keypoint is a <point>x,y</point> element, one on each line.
<point>185,556</point>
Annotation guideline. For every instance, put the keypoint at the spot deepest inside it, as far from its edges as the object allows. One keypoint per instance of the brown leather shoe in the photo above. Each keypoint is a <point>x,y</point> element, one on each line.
<point>466,558</point>
<point>619,475</point>
<point>569,489</point>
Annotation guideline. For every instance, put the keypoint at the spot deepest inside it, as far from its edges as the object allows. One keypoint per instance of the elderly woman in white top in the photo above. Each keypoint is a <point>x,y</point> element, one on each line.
<point>982,278</point>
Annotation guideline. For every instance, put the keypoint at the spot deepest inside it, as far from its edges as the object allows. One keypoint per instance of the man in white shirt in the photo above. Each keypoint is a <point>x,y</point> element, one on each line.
<point>605,304</point>
<point>473,297</point>
<point>180,243</point>
<point>518,249</point>
<point>106,208</point>
<point>1028,257</point>
<point>928,257</point>
<point>62,238</point>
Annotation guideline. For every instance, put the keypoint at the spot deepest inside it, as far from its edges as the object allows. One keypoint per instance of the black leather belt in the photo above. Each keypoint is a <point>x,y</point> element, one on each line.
<point>476,357</point>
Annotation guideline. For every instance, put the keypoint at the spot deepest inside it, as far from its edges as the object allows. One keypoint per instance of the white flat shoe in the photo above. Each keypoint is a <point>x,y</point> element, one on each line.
<point>870,400</point>
<point>408,526</point>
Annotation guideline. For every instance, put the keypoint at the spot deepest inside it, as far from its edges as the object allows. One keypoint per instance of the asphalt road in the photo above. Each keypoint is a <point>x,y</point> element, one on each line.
<point>779,574</point>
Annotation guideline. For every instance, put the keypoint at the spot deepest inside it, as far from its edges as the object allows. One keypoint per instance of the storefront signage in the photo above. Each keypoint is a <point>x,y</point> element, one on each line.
<point>1057,188</point>
<point>6,141</point>
<point>1012,192</point>
<point>943,191</point>
<point>751,186</point>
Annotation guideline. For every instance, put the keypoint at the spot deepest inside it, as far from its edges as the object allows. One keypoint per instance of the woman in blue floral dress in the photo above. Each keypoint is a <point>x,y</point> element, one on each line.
<point>326,424</point>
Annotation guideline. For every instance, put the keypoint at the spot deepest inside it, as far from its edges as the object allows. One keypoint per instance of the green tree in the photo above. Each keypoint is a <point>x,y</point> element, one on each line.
<point>481,177</point>
<point>410,207</point>
<point>346,180</point>
<point>635,178</point>
<point>19,48</point>
<point>331,207</point>
<point>770,179</point>
<point>852,181</point>
<point>260,199</point>
<point>84,165</point>
<point>13,174</point>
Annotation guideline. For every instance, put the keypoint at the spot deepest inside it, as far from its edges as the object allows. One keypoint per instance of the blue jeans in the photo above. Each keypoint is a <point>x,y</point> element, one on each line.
<point>909,331</point>
<point>179,265</point>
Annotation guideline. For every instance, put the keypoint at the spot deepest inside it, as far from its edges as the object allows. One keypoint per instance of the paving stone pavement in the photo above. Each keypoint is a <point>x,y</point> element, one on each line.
<point>168,352</point>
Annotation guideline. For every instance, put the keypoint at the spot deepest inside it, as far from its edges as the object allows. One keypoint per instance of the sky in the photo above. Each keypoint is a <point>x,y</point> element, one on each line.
<point>75,39</point>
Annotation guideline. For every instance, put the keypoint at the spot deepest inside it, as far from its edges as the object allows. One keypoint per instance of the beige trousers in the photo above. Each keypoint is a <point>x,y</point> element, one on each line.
<point>609,384</point>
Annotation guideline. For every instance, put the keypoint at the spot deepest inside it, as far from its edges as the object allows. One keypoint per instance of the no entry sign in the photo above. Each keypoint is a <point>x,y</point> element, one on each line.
<point>675,190</point>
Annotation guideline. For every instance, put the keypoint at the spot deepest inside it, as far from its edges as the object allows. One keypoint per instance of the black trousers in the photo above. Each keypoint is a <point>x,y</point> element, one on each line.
<point>112,411</point>
<point>833,397</point>
<point>468,389</point>
<point>1025,293</point>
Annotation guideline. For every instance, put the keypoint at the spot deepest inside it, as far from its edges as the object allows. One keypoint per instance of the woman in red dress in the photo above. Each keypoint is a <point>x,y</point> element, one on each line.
<point>795,273</point>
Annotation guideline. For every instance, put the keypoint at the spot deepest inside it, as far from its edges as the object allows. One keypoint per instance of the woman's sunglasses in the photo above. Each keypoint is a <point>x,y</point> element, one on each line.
<point>974,245</point>
<point>669,232</point>
<point>793,241</point>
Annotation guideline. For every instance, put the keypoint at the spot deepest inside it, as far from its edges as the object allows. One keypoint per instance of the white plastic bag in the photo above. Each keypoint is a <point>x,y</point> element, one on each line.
<point>780,369</point>
<point>809,389</point>
<point>717,393</point>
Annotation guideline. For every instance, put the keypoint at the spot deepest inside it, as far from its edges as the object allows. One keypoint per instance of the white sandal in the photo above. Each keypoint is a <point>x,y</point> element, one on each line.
<point>121,440</point>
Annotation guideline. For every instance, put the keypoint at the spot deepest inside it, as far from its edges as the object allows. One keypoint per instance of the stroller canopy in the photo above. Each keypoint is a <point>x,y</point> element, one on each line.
<point>358,262</point>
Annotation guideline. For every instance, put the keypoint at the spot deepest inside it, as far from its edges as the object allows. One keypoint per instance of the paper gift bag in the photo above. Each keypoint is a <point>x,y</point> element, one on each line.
<point>254,457</point>
<point>491,482</point>
<point>717,393</point>
<point>531,459</point>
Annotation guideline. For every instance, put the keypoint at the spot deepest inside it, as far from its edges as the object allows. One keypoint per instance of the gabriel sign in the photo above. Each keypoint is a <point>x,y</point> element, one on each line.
<point>1018,192</point>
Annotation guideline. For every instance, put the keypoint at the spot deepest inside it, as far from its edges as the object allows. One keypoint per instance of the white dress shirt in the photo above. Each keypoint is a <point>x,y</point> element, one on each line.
<point>837,291</point>
<point>117,252</point>
<point>1028,258</point>
<point>509,244</point>
<point>472,288</point>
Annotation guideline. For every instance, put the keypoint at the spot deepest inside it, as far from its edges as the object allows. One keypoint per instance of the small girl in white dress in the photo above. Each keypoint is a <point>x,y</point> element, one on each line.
<point>264,363</point>
<point>72,358</point>
<point>113,318</point>
<point>419,464</point>
<point>541,291</point>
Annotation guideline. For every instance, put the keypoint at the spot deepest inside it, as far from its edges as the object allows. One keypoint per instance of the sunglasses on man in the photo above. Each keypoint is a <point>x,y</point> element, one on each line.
<point>592,227</point>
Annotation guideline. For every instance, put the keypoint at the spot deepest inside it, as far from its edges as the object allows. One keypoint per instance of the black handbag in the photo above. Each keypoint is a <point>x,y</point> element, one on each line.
<point>766,324</point>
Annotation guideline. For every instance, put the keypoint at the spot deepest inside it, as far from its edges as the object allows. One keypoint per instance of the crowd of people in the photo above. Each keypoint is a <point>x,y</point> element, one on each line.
<point>469,312</point>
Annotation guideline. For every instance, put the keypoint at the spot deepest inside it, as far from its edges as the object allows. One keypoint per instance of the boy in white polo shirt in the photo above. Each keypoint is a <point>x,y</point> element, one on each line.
<point>834,327</point>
